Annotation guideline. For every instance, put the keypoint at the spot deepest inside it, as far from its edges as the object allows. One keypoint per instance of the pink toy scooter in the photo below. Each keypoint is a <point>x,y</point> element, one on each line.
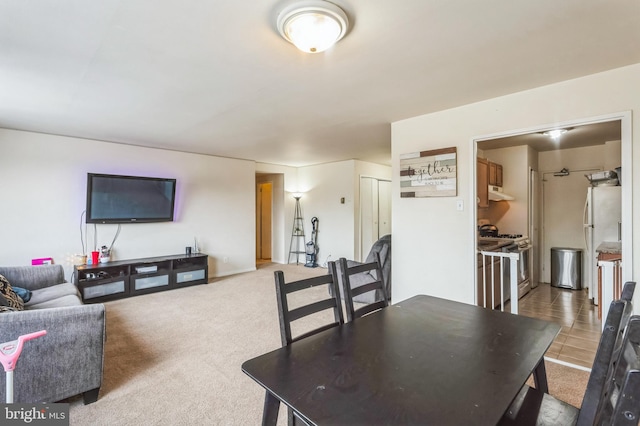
<point>9,354</point>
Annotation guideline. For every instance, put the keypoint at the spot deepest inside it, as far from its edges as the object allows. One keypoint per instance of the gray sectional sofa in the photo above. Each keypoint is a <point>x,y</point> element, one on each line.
<point>68,360</point>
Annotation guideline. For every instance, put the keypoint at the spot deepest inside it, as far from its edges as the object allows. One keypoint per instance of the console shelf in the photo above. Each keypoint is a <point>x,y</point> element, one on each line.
<point>126,278</point>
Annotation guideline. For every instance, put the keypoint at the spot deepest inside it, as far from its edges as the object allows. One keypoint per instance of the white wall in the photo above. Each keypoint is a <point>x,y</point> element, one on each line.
<point>323,185</point>
<point>568,204</point>
<point>43,188</point>
<point>433,243</point>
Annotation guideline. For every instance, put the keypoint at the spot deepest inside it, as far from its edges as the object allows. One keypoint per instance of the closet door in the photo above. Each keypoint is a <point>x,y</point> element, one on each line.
<point>368,215</point>
<point>375,212</point>
<point>384,207</point>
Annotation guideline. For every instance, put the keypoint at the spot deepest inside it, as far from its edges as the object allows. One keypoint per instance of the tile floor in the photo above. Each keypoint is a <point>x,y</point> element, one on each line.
<point>571,309</point>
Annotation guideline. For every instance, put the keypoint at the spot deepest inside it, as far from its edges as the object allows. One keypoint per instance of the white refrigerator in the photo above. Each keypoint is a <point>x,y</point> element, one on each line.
<point>602,219</point>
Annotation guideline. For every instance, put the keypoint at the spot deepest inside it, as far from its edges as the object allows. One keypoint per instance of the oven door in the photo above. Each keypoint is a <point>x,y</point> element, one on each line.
<point>523,275</point>
<point>524,271</point>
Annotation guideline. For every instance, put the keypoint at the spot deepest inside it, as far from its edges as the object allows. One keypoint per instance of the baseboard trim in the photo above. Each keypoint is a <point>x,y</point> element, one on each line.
<point>568,364</point>
<point>235,272</point>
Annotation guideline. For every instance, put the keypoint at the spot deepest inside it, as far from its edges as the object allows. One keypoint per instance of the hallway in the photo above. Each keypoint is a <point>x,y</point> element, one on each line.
<point>581,329</point>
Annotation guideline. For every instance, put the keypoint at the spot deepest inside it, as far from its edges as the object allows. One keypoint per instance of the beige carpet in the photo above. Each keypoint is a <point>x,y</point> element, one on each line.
<point>173,358</point>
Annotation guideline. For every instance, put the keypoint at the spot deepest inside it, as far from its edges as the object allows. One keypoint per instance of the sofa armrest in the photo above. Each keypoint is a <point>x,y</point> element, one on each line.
<point>65,362</point>
<point>33,277</point>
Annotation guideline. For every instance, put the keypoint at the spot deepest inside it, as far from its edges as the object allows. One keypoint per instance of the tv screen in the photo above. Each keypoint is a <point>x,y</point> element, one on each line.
<point>129,199</point>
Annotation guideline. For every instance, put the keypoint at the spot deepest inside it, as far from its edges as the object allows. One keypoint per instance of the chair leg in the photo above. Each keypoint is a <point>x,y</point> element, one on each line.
<point>90,396</point>
<point>540,377</point>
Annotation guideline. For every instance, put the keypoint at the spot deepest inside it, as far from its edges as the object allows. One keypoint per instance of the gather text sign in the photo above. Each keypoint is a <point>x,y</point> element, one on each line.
<point>429,173</point>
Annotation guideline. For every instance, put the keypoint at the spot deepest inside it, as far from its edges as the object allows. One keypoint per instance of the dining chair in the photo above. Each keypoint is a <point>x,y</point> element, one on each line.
<point>534,407</point>
<point>375,285</point>
<point>318,302</point>
<point>606,357</point>
<point>620,404</point>
<point>287,316</point>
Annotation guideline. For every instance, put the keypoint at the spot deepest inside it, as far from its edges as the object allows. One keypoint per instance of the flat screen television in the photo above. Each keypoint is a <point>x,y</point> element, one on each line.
<point>129,199</point>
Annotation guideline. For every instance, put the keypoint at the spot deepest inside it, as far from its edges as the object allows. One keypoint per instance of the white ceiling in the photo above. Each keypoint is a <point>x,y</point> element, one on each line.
<point>215,77</point>
<point>575,137</point>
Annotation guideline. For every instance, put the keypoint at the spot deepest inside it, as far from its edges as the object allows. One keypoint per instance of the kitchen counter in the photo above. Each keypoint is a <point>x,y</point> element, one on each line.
<point>610,247</point>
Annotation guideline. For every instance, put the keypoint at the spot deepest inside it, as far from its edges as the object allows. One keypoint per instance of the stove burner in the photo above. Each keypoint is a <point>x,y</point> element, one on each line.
<point>512,236</point>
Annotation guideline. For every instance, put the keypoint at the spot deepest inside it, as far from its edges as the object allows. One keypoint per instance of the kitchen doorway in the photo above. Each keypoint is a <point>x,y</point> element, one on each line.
<point>546,156</point>
<point>537,201</point>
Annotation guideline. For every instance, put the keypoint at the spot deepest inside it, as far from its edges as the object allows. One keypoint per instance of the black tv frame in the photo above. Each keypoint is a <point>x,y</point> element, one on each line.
<point>91,219</point>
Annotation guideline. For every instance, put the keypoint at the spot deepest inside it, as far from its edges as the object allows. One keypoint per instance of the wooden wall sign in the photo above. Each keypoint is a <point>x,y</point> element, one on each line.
<point>429,173</point>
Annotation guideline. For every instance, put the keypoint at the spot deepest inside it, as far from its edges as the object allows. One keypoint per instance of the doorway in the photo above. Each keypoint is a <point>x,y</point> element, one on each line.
<point>583,149</point>
<point>264,216</point>
<point>552,192</point>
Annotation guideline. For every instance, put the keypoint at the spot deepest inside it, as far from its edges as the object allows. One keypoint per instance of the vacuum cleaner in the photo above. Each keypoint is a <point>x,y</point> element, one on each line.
<point>312,246</point>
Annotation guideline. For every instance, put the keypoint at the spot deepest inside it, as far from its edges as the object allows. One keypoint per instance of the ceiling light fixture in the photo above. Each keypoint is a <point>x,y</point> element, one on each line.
<point>555,134</point>
<point>563,172</point>
<point>312,26</point>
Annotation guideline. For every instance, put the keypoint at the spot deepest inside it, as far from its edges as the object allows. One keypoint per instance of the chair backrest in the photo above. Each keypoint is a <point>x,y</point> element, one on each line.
<point>605,359</point>
<point>620,401</point>
<point>287,315</point>
<point>376,284</point>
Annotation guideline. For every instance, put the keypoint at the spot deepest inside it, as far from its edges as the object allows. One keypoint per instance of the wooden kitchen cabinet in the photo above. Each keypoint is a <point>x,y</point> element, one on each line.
<point>495,174</point>
<point>482,181</point>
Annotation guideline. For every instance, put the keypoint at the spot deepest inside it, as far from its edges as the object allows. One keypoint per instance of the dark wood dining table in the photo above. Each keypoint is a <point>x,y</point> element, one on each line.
<point>421,361</point>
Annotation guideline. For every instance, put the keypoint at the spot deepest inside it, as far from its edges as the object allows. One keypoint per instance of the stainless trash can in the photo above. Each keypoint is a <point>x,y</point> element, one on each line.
<point>566,267</point>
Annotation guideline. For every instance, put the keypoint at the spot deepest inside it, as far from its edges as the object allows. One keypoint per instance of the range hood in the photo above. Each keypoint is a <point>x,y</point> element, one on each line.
<point>496,194</point>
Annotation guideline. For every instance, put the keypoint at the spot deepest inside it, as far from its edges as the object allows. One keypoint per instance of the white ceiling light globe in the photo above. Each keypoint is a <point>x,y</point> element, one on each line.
<point>313,26</point>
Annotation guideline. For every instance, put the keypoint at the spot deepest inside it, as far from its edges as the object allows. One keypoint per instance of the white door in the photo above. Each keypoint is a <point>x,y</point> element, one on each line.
<point>368,215</point>
<point>384,207</point>
<point>534,224</point>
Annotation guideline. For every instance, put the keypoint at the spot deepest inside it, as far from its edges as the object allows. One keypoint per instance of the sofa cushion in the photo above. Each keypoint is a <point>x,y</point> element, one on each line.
<point>33,277</point>
<point>60,302</point>
<point>51,293</point>
<point>10,300</point>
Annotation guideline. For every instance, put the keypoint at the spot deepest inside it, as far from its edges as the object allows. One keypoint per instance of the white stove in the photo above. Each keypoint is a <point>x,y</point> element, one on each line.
<point>520,240</point>
<point>515,243</point>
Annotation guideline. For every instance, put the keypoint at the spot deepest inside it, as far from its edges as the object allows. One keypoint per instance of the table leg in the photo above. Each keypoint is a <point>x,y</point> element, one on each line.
<point>540,377</point>
<point>270,410</point>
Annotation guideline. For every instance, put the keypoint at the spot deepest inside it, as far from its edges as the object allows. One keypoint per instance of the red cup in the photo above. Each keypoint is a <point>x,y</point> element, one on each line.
<point>94,257</point>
